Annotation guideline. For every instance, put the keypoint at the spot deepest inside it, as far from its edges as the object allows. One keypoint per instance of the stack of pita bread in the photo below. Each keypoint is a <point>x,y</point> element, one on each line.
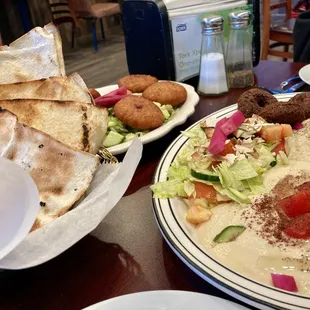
<point>49,124</point>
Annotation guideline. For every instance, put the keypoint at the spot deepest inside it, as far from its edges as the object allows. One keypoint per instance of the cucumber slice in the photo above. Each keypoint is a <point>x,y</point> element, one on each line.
<point>229,233</point>
<point>113,138</point>
<point>210,176</point>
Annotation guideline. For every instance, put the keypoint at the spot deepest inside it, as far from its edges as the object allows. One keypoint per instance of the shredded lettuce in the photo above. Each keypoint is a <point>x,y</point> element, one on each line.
<point>256,185</point>
<point>180,173</point>
<point>265,156</point>
<point>227,178</point>
<point>184,156</point>
<point>233,194</point>
<point>189,188</point>
<point>243,170</point>
<point>271,145</point>
<point>282,159</point>
<point>201,165</point>
<point>197,135</point>
<point>256,164</point>
<point>168,189</point>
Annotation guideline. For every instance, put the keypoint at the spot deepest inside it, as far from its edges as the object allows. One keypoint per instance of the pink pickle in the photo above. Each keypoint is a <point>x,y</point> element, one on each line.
<point>284,282</point>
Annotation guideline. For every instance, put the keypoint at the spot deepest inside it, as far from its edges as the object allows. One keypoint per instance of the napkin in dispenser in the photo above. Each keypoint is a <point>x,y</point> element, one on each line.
<point>163,38</point>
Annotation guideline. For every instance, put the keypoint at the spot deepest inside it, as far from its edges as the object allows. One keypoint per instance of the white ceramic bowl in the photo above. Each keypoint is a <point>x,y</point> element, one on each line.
<point>19,205</point>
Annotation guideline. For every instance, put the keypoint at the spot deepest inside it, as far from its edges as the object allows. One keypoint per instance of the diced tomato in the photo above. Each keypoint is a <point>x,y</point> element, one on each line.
<point>205,191</point>
<point>299,227</point>
<point>228,149</point>
<point>296,204</point>
<point>280,147</point>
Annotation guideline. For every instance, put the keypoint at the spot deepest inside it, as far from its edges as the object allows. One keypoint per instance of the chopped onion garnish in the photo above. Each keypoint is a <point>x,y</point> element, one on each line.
<point>284,282</point>
<point>298,126</point>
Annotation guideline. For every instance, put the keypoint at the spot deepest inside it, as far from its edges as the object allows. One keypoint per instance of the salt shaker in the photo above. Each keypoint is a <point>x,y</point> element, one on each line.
<point>239,51</point>
<point>212,76</point>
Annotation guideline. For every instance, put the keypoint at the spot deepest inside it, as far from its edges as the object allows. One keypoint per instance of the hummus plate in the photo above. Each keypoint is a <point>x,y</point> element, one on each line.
<point>239,278</point>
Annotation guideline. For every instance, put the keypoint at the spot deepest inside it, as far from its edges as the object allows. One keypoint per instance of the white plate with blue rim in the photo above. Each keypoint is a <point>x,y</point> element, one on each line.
<point>178,118</point>
<point>166,300</point>
<point>183,240</point>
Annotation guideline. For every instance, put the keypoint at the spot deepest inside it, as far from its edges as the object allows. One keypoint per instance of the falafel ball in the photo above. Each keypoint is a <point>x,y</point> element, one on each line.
<point>139,113</point>
<point>302,101</point>
<point>283,113</point>
<point>166,93</point>
<point>137,83</point>
<point>252,101</point>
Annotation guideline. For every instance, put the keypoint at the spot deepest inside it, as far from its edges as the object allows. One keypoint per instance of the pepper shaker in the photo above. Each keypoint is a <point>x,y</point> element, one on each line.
<point>212,75</point>
<point>239,51</point>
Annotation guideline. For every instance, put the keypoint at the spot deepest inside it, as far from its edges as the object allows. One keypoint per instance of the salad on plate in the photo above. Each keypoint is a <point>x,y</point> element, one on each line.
<point>246,186</point>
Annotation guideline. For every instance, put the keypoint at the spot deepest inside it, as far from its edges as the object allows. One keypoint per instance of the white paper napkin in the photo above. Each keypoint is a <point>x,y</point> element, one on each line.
<point>108,186</point>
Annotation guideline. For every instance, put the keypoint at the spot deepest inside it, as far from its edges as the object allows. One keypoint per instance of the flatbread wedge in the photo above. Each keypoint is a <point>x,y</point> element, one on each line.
<point>70,88</point>
<point>35,55</point>
<point>79,125</point>
<point>61,173</point>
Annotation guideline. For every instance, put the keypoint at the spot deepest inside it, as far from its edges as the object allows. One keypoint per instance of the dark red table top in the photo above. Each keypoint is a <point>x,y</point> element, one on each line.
<point>131,256</point>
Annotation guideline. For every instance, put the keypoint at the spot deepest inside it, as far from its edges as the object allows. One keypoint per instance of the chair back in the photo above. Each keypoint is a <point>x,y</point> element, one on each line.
<point>82,8</point>
<point>267,8</point>
<point>60,12</point>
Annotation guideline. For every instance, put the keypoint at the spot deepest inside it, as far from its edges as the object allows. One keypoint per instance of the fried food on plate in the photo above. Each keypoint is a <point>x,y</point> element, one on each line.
<point>80,125</point>
<point>139,113</point>
<point>252,101</point>
<point>283,112</point>
<point>35,55</point>
<point>95,94</point>
<point>166,93</point>
<point>137,83</point>
<point>71,88</point>
<point>61,174</point>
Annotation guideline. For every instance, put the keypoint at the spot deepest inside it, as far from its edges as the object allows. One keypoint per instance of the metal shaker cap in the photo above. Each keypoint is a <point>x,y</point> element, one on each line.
<point>240,19</point>
<point>212,24</point>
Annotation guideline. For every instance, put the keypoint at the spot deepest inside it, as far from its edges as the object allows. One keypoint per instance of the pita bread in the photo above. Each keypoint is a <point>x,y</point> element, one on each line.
<point>79,125</point>
<point>35,55</point>
<point>7,125</point>
<point>70,88</point>
<point>61,174</point>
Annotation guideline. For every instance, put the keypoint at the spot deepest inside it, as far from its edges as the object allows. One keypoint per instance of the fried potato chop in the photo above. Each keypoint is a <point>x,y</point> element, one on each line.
<point>137,83</point>
<point>139,113</point>
<point>166,93</point>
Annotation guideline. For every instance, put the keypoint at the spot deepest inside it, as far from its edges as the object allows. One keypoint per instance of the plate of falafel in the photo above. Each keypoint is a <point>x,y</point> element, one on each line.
<point>144,107</point>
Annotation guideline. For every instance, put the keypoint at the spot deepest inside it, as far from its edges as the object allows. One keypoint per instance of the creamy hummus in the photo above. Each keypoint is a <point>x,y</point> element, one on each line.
<point>251,254</point>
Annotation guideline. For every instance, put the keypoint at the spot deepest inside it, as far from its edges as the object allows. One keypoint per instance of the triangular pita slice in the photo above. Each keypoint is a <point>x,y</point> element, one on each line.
<point>61,174</point>
<point>35,55</point>
<point>80,125</point>
<point>70,88</point>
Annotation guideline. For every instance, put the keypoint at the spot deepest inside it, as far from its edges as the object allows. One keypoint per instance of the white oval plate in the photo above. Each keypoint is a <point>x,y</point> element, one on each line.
<point>179,118</point>
<point>304,74</point>
<point>182,239</point>
<point>166,300</point>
